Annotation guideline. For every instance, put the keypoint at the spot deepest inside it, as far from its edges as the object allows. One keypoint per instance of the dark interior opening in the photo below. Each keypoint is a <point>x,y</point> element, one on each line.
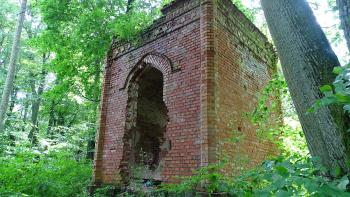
<point>148,144</point>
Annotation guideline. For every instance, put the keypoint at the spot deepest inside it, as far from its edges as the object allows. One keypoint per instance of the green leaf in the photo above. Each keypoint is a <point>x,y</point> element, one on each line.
<point>342,98</point>
<point>337,70</point>
<point>326,88</point>
<point>347,108</point>
<point>282,193</point>
<point>262,193</point>
<point>343,183</point>
<point>282,171</point>
<point>336,171</point>
<point>310,185</point>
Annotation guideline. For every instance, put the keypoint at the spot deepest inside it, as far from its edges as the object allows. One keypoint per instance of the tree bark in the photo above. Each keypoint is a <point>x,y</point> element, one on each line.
<point>25,111</point>
<point>307,62</point>
<point>12,66</point>
<point>344,15</point>
<point>13,98</point>
<point>52,120</point>
<point>129,5</point>
<point>12,104</point>
<point>36,100</point>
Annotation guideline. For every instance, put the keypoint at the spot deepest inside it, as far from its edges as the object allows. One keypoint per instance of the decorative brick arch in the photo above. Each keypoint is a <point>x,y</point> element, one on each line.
<point>214,54</point>
<point>153,59</point>
<point>154,63</point>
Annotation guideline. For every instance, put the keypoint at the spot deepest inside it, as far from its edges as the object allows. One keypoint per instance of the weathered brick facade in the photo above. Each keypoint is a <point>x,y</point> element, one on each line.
<point>198,67</point>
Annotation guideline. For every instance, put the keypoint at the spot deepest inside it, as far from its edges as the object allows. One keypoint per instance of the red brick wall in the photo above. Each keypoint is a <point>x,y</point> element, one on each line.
<point>210,74</point>
<point>176,36</point>
<point>245,64</point>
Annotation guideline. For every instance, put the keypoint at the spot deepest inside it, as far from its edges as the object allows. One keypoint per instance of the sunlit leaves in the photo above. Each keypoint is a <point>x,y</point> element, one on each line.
<point>268,110</point>
<point>130,25</point>
<point>34,173</point>
<point>79,34</point>
<point>338,92</point>
<point>292,176</point>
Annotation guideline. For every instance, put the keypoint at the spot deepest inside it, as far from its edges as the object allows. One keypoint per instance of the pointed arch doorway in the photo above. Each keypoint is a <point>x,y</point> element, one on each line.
<point>145,141</point>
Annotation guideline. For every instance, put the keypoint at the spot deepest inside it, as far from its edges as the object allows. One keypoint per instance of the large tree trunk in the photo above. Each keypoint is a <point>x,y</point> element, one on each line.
<point>36,100</point>
<point>307,62</point>
<point>344,15</point>
<point>12,66</point>
<point>13,98</point>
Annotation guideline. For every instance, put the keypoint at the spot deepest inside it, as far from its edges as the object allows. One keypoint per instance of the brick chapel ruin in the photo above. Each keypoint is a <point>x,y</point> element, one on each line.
<point>167,101</point>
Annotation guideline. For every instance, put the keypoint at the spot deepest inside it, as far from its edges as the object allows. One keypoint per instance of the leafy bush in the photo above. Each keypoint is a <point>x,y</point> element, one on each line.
<point>289,177</point>
<point>38,174</point>
<point>209,179</point>
<point>338,92</point>
<point>281,176</point>
<point>129,26</point>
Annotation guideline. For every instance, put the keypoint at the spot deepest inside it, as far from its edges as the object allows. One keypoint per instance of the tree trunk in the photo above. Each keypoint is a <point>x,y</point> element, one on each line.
<point>307,62</point>
<point>13,99</point>
<point>52,120</point>
<point>3,61</point>
<point>2,40</point>
<point>36,100</point>
<point>60,119</point>
<point>25,111</point>
<point>344,15</point>
<point>129,5</point>
<point>12,138</point>
<point>96,94</point>
<point>12,104</point>
<point>12,66</point>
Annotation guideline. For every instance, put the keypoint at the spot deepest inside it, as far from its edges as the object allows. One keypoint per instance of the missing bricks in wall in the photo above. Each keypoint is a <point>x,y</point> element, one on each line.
<point>145,141</point>
<point>171,122</point>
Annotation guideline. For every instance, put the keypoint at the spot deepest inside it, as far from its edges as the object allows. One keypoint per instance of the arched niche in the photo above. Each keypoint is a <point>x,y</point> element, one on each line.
<point>145,143</point>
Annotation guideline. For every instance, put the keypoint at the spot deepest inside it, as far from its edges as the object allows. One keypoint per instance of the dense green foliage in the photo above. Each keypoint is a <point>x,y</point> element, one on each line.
<point>64,43</point>
<point>36,173</point>
<point>337,93</point>
<point>277,177</point>
<point>56,167</point>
